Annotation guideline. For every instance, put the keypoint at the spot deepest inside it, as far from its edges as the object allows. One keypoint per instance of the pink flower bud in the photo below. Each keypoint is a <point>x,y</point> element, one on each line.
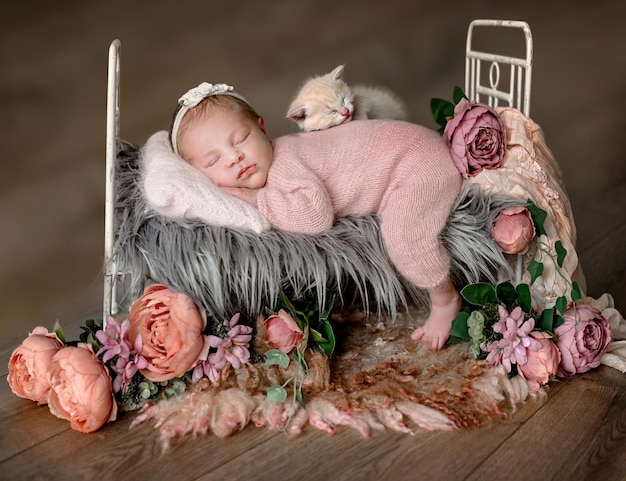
<point>283,332</point>
<point>513,230</point>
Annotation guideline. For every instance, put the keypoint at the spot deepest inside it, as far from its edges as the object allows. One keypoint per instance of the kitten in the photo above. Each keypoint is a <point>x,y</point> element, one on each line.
<point>326,101</point>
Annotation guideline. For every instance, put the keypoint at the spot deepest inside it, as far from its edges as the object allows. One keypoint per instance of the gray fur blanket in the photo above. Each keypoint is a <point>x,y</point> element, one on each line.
<point>227,271</point>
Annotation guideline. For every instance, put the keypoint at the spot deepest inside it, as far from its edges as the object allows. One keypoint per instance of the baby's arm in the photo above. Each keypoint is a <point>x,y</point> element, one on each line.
<point>295,199</point>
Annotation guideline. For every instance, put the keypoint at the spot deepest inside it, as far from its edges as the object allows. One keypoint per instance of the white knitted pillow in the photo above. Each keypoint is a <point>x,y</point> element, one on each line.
<point>178,191</point>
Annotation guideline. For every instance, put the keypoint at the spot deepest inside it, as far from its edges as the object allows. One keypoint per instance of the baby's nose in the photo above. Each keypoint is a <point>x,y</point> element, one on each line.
<point>237,157</point>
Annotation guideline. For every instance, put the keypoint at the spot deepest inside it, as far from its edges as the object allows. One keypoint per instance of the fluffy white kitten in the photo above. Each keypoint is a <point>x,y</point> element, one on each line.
<point>326,101</point>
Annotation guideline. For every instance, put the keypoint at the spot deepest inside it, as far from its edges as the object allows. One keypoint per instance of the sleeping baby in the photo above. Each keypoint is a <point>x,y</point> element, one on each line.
<point>399,171</point>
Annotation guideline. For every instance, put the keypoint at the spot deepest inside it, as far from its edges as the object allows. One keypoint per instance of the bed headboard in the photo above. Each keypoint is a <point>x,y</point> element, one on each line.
<point>487,78</point>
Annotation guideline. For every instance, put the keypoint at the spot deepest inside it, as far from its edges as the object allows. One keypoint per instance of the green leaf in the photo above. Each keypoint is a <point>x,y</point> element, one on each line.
<point>535,269</point>
<point>559,321</point>
<point>276,357</point>
<point>506,293</point>
<point>560,253</point>
<point>459,325</point>
<point>58,330</point>
<point>442,110</point>
<point>546,320</point>
<point>480,294</point>
<point>538,215</point>
<point>458,94</point>
<point>329,345</point>
<point>316,336</point>
<point>276,394</point>
<point>561,304</point>
<point>523,297</point>
<point>576,295</point>
<point>299,398</point>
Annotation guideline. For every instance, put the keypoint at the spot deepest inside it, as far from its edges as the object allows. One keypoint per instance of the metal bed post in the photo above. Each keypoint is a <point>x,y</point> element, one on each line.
<point>518,93</point>
<point>112,131</point>
<point>520,76</point>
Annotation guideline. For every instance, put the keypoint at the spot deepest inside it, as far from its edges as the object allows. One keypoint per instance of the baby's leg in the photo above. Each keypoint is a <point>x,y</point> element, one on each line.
<point>445,305</point>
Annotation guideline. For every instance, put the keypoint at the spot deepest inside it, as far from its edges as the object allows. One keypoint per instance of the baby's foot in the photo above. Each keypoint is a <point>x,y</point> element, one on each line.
<point>434,333</point>
<point>445,306</point>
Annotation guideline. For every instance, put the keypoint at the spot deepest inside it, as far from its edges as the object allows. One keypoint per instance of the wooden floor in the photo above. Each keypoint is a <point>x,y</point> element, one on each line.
<point>52,93</point>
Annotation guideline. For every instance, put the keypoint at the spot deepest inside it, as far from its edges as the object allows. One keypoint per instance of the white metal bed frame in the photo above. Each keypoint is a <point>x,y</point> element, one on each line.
<point>517,95</point>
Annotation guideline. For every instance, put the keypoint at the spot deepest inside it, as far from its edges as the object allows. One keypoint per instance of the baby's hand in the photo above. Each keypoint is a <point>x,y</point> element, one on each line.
<point>248,195</point>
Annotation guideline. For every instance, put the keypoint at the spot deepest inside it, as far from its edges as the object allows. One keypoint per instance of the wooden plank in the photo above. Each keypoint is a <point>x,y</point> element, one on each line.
<point>115,451</point>
<point>560,440</point>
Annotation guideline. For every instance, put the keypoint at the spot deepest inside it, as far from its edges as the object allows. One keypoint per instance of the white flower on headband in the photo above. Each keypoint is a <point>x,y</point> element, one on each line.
<point>196,95</point>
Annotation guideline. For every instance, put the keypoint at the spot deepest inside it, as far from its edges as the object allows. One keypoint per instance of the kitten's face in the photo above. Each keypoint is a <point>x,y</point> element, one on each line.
<point>323,102</point>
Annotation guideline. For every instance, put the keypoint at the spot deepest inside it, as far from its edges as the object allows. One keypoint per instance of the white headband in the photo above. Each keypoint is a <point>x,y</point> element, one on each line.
<point>193,97</point>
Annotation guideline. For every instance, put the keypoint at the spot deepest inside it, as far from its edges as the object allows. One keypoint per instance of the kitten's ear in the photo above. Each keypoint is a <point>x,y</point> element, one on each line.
<point>297,114</point>
<point>337,73</point>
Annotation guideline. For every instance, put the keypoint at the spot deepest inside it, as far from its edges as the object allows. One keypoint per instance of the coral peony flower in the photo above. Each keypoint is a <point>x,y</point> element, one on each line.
<point>28,377</point>
<point>543,363</point>
<point>476,138</point>
<point>170,326</point>
<point>283,332</point>
<point>582,339</point>
<point>513,230</point>
<point>80,389</point>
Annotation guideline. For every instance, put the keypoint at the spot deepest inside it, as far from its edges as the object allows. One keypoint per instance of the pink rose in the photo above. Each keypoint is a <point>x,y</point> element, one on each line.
<point>80,389</point>
<point>513,229</point>
<point>476,138</point>
<point>543,363</point>
<point>283,332</point>
<point>582,339</point>
<point>28,376</point>
<point>170,325</point>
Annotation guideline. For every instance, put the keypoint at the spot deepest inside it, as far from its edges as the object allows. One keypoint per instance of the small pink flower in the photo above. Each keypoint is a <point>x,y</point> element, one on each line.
<point>476,137</point>
<point>114,340</point>
<point>515,342</point>
<point>513,230</point>
<point>283,332</point>
<point>212,366</point>
<point>582,339</point>
<point>543,363</point>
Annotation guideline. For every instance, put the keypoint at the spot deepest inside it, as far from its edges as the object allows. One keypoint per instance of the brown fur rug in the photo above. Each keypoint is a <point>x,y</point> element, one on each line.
<point>377,379</point>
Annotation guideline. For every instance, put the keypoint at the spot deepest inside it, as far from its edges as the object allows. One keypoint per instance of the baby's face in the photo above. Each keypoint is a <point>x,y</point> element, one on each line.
<point>230,148</point>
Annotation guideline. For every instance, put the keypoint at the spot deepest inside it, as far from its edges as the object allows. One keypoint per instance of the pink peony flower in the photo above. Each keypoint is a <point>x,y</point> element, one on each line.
<point>283,332</point>
<point>513,230</point>
<point>170,326</point>
<point>543,363</point>
<point>515,343</point>
<point>476,137</point>
<point>28,364</point>
<point>80,389</point>
<point>582,339</point>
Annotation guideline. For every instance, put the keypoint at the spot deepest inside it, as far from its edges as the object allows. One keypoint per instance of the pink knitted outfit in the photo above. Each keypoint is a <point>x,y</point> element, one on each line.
<point>401,171</point>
